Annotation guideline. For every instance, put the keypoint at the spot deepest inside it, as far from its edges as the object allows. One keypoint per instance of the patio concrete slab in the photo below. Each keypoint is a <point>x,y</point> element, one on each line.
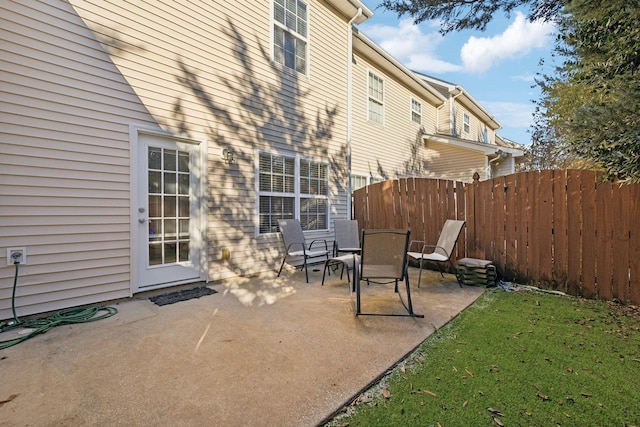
<point>262,351</point>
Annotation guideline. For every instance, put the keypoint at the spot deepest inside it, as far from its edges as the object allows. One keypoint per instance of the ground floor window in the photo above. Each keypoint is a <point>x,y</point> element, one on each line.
<point>359,181</point>
<point>292,187</point>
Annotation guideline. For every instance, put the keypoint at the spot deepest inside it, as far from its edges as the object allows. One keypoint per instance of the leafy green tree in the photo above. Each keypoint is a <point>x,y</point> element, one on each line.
<point>589,109</point>
<point>456,15</point>
<point>591,104</point>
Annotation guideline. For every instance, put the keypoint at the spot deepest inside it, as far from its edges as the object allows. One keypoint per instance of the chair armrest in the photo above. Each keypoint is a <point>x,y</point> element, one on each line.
<point>415,241</point>
<point>436,247</point>
<point>326,247</point>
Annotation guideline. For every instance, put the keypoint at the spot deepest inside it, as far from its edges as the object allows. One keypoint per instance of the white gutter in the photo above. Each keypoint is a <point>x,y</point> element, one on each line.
<point>452,98</point>
<point>349,105</point>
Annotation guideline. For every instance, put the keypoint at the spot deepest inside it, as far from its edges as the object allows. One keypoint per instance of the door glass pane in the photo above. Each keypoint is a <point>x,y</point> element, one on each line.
<point>183,183</point>
<point>169,215</point>
<point>155,230</point>
<point>184,228</point>
<point>155,254</point>
<point>155,182</point>
<point>155,158</point>
<point>169,206</point>
<point>170,255</point>
<point>155,206</point>
<point>170,186</point>
<point>169,229</point>
<point>169,160</point>
<point>183,254</point>
<point>183,161</point>
<point>183,207</point>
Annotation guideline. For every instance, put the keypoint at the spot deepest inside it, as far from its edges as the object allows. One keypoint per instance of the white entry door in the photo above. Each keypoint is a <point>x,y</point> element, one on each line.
<point>168,217</point>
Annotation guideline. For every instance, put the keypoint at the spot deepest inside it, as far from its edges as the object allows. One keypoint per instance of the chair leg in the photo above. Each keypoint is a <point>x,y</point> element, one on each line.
<point>356,279</point>
<point>440,269</point>
<point>455,271</point>
<point>306,272</point>
<point>420,274</point>
<point>324,271</point>
<point>282,265</point>
<point>409,304</point>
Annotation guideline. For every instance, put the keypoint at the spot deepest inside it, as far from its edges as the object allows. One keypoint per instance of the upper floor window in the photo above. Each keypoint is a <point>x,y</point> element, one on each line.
<point>376,98</point>
<point>416,111</point>
<point>466,125</point>
<point>289,187</point>
<point>290,33</point>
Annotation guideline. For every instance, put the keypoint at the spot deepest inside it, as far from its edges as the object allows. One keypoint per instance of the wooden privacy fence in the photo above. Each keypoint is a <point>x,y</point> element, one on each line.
<point>558,229</point>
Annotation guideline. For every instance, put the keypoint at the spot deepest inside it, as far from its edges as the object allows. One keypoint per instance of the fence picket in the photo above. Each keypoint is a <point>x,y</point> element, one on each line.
<point>588,187</point>
<point>556,229</point>
<point>510,221</point>
<point>560,226</point>
<point>621,218</point>
<point>604,240</point>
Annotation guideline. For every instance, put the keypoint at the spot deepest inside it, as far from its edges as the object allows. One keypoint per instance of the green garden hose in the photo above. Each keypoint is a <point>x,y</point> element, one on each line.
<point>63,317</point>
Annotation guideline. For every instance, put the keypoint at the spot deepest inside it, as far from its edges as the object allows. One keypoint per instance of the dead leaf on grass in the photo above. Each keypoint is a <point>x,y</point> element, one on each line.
<point>495,412</point>
<point>465,403</point>
<point>430,393</point>
<point>544,397</point>
<point>497,421</point>
<point>468,372</point>
<point>386,393</point>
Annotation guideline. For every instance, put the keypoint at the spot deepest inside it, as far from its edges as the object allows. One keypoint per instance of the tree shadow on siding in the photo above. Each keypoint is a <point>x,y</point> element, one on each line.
<point>261,108</point>
<point>415,165</point>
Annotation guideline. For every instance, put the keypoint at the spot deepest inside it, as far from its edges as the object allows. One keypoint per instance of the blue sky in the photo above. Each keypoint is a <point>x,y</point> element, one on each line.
<point>496,67</point>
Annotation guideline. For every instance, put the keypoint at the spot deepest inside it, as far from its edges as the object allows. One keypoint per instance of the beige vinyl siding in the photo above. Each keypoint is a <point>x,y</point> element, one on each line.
<point>450,162</point>
<point>64,168</point>
<point>444,118</point>
<point>476,126</point>
<point>393,149</point>
<point>204,69</point>
<point>503,167</point>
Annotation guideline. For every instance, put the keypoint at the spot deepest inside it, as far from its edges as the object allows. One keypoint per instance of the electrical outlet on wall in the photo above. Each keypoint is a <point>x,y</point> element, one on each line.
<point>16,255</point>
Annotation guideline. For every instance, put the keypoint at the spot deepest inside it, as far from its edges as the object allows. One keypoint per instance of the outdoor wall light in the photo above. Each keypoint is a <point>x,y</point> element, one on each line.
<point>227,155</point>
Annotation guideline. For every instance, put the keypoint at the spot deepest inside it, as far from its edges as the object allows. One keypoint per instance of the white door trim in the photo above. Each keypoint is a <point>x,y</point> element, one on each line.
<point>135,130</point>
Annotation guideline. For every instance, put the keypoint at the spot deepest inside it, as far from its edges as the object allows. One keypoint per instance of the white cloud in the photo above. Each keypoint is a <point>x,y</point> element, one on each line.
<point>511,114</point>
<point>481,53</point>
<point>409,45</point>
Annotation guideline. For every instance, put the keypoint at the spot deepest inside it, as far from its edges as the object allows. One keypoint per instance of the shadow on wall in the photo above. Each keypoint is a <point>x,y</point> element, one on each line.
<point>269,113</point>
<point>416,164</point>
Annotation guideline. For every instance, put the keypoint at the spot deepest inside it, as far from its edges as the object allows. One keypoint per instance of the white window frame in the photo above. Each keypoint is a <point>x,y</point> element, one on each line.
<point>416,111</point>
<point>466,123</point>
<point>374,99</point>
<point>276,25</point>
<point>368,180</point>
<point>297,195</point>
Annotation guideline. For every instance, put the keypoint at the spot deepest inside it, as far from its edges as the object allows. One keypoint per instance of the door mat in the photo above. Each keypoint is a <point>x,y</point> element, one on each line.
<point>184,295</point>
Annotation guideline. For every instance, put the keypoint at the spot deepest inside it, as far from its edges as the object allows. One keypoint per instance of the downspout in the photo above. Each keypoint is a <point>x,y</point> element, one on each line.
<point>499,155</point>
<point>349,105</point>
<point>452,122</point>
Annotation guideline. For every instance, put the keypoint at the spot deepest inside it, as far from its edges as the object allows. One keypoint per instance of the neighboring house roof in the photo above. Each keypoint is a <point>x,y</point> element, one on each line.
<point>366,46</point>
<point>486,149</point>
<point>349,8</point>
<point>450,89</point>
<point>504,142</point>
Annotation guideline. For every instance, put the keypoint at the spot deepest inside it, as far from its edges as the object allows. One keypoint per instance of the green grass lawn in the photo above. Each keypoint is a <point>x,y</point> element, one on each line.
<point>517,359</point>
